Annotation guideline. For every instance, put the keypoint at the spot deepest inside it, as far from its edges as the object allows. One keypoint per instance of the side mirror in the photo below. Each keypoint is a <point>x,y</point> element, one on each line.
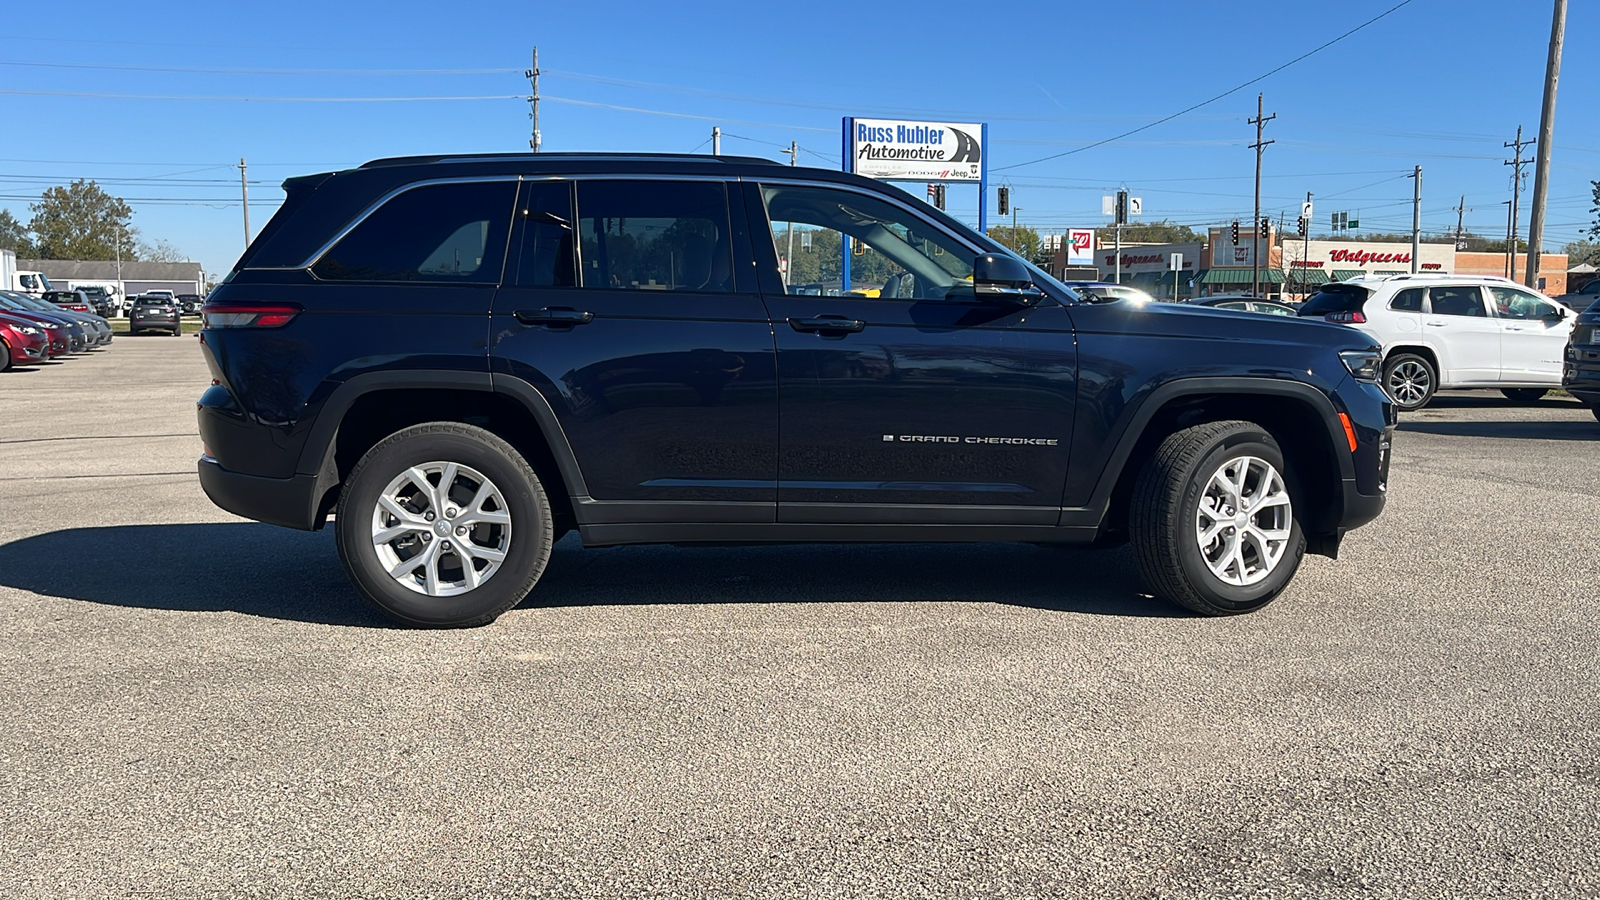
<point>997,278</point>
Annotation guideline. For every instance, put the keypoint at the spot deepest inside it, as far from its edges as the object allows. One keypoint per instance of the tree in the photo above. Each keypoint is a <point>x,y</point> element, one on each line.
<point>1595,231</point>
<point>14,235</point>
<point>1580,252</point>
<point>161,251</point>
<point>82,221</point>
<point>1162,232</point>
<point>1023,241</point>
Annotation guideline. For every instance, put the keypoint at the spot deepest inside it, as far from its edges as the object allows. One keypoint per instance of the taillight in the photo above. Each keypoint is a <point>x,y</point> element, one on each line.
<point>1347,318</point>
<point>242,315</point>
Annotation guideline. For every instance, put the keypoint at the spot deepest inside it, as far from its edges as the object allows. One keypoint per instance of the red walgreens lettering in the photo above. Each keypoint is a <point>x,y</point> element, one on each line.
<point>1363,257</point>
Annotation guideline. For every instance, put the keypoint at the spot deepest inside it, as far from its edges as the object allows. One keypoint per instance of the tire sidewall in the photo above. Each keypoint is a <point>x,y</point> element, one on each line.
<point>530,527</point>
<point>1216,592</point>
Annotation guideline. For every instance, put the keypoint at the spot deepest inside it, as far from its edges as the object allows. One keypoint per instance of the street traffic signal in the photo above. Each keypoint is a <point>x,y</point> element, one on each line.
<point>938,196</point>
<point>1235,232</point>
<point>1005,200</point>
<point>1265,228</point>
<point>1122,207</point>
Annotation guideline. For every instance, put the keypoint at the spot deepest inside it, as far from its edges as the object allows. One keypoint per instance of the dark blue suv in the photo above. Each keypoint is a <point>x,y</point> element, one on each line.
<point>465,357</point>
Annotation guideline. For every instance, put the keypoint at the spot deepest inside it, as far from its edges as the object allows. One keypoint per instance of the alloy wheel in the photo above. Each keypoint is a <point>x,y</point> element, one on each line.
<point>1244,520</point>
<point>441,528</point>
<point>1410,383</point>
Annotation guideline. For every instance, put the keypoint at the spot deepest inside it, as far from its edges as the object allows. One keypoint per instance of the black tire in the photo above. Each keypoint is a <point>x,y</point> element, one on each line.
<point>1524,396</point>
<point>1596,411</point>
<point>5,355</point>
<point>178,331</point>
<point>1164,510</point>
<point>1410,380</point>
<point>526,553</point>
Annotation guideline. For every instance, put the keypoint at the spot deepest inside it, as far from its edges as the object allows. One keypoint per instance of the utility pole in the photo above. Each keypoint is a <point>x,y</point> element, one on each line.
<point>1509,251</point>
<point>788,261</point>
<point>1305,252</point>
<point>244,195</point>
<point>1260,122</point>
<point>1547,128</point>
<point>1461,211</point>
<point>1516,196</point>
<point>533,101</point>
<point>716,140</point>
<point>1416,220</point>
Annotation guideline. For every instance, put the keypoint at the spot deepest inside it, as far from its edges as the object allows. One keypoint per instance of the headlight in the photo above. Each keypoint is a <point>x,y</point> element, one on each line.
<point>26,329</point>
<point>1365,365</point>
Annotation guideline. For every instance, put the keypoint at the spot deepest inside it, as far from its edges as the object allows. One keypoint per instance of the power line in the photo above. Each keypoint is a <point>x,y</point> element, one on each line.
<point>231,71</point>
<point>1202,103</point>
<point>109,96</point>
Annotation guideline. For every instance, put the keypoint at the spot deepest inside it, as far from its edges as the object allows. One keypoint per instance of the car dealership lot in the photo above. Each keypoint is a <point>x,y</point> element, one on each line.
<point>195,705</point>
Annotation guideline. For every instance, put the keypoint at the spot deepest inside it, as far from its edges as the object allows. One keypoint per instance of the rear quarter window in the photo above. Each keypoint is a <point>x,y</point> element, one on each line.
<point>1335,298</point>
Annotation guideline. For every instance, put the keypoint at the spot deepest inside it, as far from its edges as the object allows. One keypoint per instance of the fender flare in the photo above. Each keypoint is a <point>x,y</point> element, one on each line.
<point>317,455</point>
<point>1100,497</point>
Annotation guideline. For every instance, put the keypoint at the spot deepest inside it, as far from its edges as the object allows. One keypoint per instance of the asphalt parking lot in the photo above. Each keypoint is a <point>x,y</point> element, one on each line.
<point>194,705</point>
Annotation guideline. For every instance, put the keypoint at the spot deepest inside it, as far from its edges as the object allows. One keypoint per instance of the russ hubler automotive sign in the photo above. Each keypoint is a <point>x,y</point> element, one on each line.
<point>916,151</point>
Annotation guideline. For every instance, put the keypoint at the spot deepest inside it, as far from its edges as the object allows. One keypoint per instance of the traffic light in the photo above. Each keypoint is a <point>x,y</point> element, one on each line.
<point>1301,229</point>
<point>1122,207</point>
<point>938,196</point>
<point>1265,228</point>
<point>1005,200</point>
<point>1236,232</point>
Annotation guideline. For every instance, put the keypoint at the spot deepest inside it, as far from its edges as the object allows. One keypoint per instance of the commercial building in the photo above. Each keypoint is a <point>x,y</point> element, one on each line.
<point>135,277</point>
<point>1296,267</point>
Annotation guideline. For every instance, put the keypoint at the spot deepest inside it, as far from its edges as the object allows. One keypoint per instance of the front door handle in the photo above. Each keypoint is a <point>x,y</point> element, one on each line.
<point>1437,324</point>
<point>555,316</point>
<point>826,324</point>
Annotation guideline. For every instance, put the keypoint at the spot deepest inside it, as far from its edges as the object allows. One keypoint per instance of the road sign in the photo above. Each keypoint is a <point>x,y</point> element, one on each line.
<point>1135,206</point>
<point>1108,206</point>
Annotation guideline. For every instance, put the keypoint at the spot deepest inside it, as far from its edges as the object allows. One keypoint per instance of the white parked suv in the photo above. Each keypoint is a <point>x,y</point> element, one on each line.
<point>1453,331</point>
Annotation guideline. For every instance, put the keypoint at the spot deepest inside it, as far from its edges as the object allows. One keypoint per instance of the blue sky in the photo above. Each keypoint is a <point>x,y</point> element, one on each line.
<point>1438,83</point>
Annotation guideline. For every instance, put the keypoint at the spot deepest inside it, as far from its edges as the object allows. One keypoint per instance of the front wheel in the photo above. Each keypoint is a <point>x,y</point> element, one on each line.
<point>1409,380</point>
<point>1213,521</point>
<point>443,525</point>
<point>1525,396</point>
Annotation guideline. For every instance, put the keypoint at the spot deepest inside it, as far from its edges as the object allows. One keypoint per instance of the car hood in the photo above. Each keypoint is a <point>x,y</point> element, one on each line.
<point>1186,320</point>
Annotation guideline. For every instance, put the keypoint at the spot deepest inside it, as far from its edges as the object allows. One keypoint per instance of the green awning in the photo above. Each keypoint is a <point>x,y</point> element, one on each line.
<point>1308,276</point>
<point>1347,274</point>
<point>1241,276</point>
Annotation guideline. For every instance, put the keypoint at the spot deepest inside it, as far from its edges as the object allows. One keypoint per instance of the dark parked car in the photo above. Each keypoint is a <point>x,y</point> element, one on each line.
<point>22,342</point>
<point>1246,303</point>
<point>99,300</point>
<point>153,313</point>
<point>1580,375</point>
<point>190,303</point>
<point>647,379</point>
<point>73,337</point>
<point>1582,298</point>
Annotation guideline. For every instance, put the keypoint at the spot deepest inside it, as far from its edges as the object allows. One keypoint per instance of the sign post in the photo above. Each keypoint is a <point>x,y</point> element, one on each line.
<point>1176,264</point>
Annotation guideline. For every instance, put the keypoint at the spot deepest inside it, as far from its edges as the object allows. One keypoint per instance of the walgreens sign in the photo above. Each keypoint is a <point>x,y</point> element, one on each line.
<point>1367,257</point>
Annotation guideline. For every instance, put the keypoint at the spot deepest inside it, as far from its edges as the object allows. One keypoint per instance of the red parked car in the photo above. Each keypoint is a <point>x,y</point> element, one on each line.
<point>22,342</point>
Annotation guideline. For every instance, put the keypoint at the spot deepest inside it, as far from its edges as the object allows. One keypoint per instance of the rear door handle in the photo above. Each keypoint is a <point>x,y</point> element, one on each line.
<point>825,324</point>
<point>555,316</point>
<point>1437,324</point>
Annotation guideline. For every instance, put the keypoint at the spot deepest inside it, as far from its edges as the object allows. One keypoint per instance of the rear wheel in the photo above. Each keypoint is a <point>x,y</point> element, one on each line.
<point>1409,380</point>
<point>5,355</point>
<point>1524,395</point>
<point>444,525</point>
<point>1213,521</point>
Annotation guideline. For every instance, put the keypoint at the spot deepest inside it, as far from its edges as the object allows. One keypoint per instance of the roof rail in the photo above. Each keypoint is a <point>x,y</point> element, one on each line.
<point>1430,276</point>
<point>502,157</point>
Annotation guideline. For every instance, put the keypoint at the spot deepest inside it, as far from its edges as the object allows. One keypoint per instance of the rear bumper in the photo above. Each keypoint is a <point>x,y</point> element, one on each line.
<point>290,502</point>
<point>1580,376</point>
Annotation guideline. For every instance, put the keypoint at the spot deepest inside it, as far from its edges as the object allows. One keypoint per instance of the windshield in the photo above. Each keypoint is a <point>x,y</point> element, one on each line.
<point>1335,298</point>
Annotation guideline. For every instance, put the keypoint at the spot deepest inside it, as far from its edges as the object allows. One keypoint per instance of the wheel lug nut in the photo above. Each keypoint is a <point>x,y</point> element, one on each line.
<point>446,546</point>
<point>428,515</point>
<point>461,529</point>
<point>426,537</point>
<point>450,514</point>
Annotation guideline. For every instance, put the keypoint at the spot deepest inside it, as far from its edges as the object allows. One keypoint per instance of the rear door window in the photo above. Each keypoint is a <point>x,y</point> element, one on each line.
<point>545,251</point>
<point>1408,300</point>
<point>442,233</point>
<point>1456,301</point>
<point>655,236</point>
